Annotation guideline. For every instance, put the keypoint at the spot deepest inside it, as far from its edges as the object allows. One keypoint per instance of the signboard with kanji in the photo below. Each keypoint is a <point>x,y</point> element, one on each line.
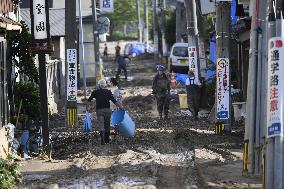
<point>275,87</point>
<point>39,18</point>
<point>192,57</point>
<point>106,6</point>
<point>222,89</point>
<point>72,75</point>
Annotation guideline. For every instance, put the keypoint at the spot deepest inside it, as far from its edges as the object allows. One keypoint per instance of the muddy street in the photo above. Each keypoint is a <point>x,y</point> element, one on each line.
<point>163,153</point>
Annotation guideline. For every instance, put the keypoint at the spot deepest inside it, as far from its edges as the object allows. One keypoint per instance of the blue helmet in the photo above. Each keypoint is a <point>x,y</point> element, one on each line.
<point>161,68</point>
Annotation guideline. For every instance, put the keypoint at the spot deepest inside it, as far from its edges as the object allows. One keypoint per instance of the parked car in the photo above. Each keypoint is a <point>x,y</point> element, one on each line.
<point>137,48</point>
<point>178,59</point>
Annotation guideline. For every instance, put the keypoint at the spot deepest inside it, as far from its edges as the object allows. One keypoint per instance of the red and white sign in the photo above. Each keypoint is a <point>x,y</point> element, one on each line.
<point>223,88</point>
<point>192,53</point>
<point>275,88</point>
<point>72,75</point>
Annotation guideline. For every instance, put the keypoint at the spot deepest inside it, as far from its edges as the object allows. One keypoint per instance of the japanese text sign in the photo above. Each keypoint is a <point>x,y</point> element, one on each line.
<point>223,88</point>
<point>106,6</point>
<point>192,59</point>
<point>72,75</point>
<point>275,88</point>
<point>40,30</point>
<point>192,53</point>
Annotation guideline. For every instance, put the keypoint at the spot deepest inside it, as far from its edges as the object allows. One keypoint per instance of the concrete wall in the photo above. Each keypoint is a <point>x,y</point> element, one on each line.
<point>55,80</point>
<point>3,143</point>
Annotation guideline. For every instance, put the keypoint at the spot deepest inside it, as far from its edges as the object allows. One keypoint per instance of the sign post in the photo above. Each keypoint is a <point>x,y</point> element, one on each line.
<point>72,62</point>
<point>275,87</point>
<point>223,89</point>
<point>40,29</point>
<point>192,58</point>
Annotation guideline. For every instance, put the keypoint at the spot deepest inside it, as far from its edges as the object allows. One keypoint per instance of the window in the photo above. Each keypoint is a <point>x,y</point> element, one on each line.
<point>180,51</point>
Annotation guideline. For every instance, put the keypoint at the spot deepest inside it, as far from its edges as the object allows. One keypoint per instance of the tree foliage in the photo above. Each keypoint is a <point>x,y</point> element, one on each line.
<point>170,33</point>
<point>124,11</point>
<point>29,94</point>
<point>19,53</point>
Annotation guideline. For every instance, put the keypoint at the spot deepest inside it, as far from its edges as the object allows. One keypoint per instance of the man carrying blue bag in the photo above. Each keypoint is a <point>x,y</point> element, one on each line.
<point>103,97</point>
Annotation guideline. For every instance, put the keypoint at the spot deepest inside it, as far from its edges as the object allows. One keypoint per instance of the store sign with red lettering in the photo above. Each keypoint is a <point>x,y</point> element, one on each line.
<point>39,19</point>
<point>192,53</point>
<point>223,88</point>
<point>275,87</point>
<point>72,75</point>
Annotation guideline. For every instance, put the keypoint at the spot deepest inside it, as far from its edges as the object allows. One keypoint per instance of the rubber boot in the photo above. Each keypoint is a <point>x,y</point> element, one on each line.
<point>102,137</point>
<point>107,140</point>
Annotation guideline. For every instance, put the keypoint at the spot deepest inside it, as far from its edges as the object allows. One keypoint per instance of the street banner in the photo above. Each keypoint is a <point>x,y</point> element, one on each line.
<point>192,53</point>
<point>39,19</point>
<point>275,88</point>
<point>202,59</point>
<point>106,6</point>
<point>72,75</point>
<point>223,89</point>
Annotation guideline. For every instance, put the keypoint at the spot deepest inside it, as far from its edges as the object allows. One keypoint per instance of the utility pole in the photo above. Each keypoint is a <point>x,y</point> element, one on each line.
<point>155,30</point>
<point>40,30</point>
<point>190,22</point>
<point>200,36</point>
<point>71,46</point>
<point>82,46</point>
<point>146,23</point>
<point>139,25</point>
<point>178,22</point>
<point>269,153</point>
<point>96,41</point>
<point>163,29</point>
<point>278,147</point>
<point>223,97</point>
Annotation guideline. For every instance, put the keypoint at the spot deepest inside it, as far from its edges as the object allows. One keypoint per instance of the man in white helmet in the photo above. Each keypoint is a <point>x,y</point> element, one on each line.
<point>103,97</point>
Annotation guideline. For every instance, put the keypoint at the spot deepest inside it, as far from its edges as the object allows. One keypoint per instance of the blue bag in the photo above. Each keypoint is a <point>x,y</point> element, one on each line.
<point>87,123</point>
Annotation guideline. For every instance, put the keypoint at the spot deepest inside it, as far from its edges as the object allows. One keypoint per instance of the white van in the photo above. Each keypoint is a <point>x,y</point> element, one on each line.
<point>178,59</point>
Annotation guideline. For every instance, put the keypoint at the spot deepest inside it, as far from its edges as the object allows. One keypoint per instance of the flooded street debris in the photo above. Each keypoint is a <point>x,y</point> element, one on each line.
<point>162,154</point>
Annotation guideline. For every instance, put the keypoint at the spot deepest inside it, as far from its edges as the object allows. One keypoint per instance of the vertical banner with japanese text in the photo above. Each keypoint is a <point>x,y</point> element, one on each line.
<point>106,6</point>
<point>192,57</point>
<point>275,88</point>
<point>39,19</point>
<point>223,89</point>
<point>72,75</point>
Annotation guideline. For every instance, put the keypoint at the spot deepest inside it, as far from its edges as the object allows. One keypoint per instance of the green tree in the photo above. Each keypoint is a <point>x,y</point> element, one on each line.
<point>124,12</point>
<point>19,53</point>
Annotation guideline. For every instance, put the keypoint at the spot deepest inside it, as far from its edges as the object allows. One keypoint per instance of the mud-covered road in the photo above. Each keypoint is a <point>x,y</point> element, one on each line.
<point>163,153</point>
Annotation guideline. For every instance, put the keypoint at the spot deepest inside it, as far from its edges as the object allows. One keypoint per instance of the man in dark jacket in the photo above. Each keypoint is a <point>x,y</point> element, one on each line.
<point>103,97</point>
<point>121,65</point>
<point>193,92</point>
<point>161,90</point>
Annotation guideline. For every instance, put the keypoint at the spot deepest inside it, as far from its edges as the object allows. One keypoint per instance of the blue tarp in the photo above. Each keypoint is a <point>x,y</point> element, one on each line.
<point>234,18</point>
<point>181,78</point>
<point>212,57</point>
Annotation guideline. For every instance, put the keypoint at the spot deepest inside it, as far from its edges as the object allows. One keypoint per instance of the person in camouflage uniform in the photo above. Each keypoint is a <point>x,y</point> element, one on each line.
<point>161,91</point>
